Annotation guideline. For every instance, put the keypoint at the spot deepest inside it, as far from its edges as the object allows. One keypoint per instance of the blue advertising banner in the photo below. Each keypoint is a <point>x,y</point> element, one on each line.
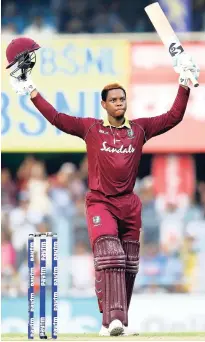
<point>74,315</point>
<point>158,313</point>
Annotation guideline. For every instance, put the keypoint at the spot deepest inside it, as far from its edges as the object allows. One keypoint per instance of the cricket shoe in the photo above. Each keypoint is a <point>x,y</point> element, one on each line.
<point>104,331</point>
<point>127,332</point>
<point>116,328</point>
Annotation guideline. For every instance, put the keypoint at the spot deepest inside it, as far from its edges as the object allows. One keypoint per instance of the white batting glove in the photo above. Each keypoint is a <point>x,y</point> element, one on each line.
<point>183,63</point>
<point>184,78</point>
<point>22,87</point>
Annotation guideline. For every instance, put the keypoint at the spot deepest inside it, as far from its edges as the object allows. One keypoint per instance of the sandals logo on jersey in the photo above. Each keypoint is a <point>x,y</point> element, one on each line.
<point>130,133</point>
<point>122,149</point>
<point>96,220</point>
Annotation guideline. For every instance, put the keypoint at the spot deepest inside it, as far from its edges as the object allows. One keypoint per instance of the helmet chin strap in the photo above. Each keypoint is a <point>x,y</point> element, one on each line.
<point>23,74</point>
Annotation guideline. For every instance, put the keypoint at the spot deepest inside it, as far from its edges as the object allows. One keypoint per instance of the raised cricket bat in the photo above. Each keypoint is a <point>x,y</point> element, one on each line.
<point>166,33</point>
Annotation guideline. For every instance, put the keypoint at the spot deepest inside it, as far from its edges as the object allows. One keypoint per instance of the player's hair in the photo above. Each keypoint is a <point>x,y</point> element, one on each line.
<point>110,87</point>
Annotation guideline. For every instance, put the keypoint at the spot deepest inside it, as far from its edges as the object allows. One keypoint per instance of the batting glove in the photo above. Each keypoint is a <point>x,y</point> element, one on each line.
<point>183,64</point>
<point>22,87</point>
<point>184,78</point>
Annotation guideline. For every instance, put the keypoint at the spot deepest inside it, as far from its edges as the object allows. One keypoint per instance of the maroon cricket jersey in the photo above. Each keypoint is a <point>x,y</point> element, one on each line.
<point>114,153</point>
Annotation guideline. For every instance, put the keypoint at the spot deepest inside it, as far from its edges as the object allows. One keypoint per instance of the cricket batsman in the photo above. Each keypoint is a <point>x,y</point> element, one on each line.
<point>114,147</point>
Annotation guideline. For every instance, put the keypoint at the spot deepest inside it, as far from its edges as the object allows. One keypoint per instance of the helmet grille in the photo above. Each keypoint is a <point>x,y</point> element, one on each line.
<point>24,64</point>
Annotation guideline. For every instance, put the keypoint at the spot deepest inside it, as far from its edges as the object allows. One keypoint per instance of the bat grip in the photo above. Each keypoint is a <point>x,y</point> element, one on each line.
<point>192,79</point>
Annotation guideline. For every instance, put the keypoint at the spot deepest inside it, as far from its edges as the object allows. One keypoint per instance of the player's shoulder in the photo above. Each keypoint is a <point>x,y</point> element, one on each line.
<point>92,125</point>
<point>92,121</point>
<point>139,122</point>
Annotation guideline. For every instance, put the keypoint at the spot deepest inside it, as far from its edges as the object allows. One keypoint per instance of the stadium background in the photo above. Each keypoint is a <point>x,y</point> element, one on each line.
<point>86,45</point>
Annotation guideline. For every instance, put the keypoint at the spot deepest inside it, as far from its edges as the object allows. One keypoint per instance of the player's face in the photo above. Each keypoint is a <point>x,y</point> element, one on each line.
<point>116,103</point>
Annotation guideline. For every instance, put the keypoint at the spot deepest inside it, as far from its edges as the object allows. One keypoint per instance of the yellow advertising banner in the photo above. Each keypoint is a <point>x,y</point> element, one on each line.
<point>70,73</point>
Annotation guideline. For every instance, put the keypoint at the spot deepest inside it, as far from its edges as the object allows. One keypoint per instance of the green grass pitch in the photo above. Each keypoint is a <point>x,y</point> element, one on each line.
<point>94,337</point>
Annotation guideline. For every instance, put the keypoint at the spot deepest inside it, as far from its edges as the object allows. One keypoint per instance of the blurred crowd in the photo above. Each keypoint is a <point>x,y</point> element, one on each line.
<point>82,16</point>
<point>172,239</point>
<point>37,202</point>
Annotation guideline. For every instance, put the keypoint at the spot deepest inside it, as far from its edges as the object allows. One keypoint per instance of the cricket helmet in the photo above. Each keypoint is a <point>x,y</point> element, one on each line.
<point>20,54</point>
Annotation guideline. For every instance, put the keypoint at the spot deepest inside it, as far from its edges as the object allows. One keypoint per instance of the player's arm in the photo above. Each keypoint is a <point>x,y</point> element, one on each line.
<point>66,123</point>
<point>163,123</point>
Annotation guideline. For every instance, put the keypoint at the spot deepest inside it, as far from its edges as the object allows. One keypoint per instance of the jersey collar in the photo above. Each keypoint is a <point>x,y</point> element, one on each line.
<point>125,124</point>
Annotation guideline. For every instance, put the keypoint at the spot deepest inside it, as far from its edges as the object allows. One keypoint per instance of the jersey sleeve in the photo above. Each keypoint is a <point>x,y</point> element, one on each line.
<point>162,123</point>
<point>66,123</point>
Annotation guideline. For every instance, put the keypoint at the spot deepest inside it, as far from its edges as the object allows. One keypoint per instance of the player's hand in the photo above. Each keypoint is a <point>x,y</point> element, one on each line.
<point>183,64</point>
<point>184,78</point>
<point>22,87</point>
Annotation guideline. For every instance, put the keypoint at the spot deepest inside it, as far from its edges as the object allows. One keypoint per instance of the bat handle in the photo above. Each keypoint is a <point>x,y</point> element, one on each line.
<point>192,79</point>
